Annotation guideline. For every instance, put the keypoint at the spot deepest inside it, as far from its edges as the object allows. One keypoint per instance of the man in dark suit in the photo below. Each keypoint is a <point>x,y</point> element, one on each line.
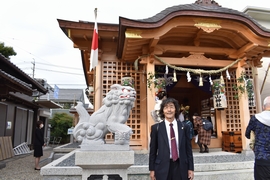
<point>167,162</point>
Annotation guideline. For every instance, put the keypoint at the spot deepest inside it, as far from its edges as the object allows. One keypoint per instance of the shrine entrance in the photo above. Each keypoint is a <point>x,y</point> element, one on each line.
<point>198,98</point>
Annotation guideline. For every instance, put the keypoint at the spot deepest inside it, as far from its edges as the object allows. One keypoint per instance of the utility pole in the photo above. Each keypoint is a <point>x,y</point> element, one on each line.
<point>265,78</point>
<point>34,64</point>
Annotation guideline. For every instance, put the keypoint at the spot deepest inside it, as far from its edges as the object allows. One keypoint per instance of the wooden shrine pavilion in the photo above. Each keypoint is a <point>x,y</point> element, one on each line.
<point>200,44</point>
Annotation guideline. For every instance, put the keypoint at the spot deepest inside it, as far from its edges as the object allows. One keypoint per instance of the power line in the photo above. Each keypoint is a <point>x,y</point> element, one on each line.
<point>23,63</point>
<point>58,66</point>
<point>45,45</point>
<point>69,84</point>
<point>14,45</point>
<point>60,71</point>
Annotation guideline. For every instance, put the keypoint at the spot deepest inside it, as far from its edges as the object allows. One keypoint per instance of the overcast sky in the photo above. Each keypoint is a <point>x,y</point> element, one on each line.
<point>31,28</point>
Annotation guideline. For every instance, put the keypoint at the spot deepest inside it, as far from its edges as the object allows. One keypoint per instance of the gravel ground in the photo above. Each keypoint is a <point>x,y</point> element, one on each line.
<point>22,167</point>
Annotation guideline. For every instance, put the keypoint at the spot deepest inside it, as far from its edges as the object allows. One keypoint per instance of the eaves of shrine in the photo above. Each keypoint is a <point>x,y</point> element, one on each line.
<point>203,28</point>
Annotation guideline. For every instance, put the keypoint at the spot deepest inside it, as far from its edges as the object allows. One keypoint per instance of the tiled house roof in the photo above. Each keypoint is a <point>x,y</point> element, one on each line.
<point>66,95</point>
<point>9,68</point>
<point>16,81</point>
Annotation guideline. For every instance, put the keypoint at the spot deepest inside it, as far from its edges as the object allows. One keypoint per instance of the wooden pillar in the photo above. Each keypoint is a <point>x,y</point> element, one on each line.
<point>143,110</point>
<point>98,86</point>
<point>244,110</point>
<point>150,67</point>
<point>257,90</point>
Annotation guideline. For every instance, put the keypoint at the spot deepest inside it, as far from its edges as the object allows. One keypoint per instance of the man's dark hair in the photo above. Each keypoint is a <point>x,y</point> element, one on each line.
<point>167,101</point>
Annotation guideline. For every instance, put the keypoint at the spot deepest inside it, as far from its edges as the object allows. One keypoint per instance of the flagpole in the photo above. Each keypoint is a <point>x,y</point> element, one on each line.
<point>95,11</point>
<point>94,47</point>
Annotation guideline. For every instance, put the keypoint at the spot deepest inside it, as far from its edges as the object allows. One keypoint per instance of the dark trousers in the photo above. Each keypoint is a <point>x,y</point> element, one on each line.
<point>174,171</point>
<point>261,172</point>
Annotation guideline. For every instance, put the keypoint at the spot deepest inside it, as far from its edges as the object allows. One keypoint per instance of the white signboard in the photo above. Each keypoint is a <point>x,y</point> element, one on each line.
<point>70,130</point>
<point>9,125</point>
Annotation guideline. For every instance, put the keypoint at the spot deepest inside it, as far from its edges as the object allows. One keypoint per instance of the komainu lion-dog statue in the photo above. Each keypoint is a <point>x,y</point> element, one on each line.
<point>111,117</point>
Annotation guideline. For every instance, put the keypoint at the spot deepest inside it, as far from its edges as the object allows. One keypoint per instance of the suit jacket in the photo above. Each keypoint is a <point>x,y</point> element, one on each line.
<point>39,137</point>
<point>159,156</point>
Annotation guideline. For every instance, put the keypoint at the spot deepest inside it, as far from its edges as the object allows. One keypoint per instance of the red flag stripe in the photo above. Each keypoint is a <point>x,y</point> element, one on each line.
<point>95,38</point>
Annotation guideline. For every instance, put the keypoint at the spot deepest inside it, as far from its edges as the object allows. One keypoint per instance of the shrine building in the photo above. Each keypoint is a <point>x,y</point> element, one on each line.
<point>207,54</point>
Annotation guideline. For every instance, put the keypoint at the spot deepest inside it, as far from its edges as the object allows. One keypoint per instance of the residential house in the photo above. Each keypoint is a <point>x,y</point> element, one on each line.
<point>20,108</point>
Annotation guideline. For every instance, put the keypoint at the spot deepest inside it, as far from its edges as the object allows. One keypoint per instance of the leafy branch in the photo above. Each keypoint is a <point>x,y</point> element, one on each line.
<point>243,85</point>
<point>157,82</point>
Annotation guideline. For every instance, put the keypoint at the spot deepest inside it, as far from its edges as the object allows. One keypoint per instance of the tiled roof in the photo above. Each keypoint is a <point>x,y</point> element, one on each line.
<point>66,95</point>
<point>9,68</point>
<point>15,80</point>
<point>198,7</point>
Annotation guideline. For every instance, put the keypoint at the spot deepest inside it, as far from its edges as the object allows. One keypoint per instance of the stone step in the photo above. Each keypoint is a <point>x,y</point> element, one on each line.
<point>228,166</point>
<point>208,171</point>
<point>216,165</point>
<point>214,156</point>
<point>207,167</point>
<point>243,174</point>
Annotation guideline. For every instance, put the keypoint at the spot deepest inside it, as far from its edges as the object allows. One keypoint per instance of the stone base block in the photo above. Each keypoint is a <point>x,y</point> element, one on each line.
<point>104,159</point>
<point>104,163</point>
<point>120,173</point>
<point>104,147</point>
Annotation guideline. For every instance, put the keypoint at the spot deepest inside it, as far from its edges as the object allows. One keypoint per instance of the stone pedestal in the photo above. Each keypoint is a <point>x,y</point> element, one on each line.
<point>104,163</point>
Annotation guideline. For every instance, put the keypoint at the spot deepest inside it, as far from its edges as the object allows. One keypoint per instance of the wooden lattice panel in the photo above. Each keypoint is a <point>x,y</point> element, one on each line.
<point>112,72</point>
<point>233,122</point>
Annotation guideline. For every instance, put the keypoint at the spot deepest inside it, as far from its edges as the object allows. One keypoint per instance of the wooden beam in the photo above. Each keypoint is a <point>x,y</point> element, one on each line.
<point>212,50</point>
<point>197,38</point>
<point>266,54</point>
<point>242,51</point>
<point>153,42</point>
<point>195,62</point>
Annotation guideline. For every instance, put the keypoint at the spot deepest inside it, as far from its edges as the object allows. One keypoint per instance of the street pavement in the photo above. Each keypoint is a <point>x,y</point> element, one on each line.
<point>21,167</point>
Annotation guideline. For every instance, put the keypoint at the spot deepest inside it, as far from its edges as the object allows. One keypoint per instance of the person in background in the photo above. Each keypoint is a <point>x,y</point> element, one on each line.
<point>169,141</point>
<point>183,111</point>
<point>38,144</point>
<point>260,125</point>
<point>204,138</point>
<point>155,113</point>
<point>189,123</point>
<point>210,119</point>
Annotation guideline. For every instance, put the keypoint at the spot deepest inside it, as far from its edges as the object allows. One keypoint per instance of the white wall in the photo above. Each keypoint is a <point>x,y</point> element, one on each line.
<point>262,16</point>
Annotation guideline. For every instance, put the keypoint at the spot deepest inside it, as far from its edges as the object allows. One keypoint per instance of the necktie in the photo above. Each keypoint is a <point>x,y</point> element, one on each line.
<point>173,144</point>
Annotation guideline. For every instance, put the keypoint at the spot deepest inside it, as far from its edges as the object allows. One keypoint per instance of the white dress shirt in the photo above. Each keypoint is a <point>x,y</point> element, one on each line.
<point>175,128</point>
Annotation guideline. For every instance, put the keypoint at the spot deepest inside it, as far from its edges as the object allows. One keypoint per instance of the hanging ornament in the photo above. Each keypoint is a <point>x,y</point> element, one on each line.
<point>174,76</point>
<point>201,81</point>
<point>166,70</point>
<point>210,80</point>
<point>188,77</point>
<point>127,80</point>
<point>228,75</point>
<point>221,79</point>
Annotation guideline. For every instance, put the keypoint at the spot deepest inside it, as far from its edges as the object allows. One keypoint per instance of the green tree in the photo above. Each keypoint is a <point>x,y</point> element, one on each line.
<point>6,50</point>
<point>59,126</point>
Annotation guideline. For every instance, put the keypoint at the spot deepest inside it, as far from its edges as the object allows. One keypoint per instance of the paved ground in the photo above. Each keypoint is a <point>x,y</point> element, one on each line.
<point>22,167</point>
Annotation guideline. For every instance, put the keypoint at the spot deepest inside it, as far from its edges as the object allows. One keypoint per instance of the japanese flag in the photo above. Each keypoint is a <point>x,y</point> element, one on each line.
<point>94,48</point>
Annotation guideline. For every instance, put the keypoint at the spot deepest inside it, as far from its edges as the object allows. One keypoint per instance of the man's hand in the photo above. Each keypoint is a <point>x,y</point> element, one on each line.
<point>190,174</point>
<point>152,175</point>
